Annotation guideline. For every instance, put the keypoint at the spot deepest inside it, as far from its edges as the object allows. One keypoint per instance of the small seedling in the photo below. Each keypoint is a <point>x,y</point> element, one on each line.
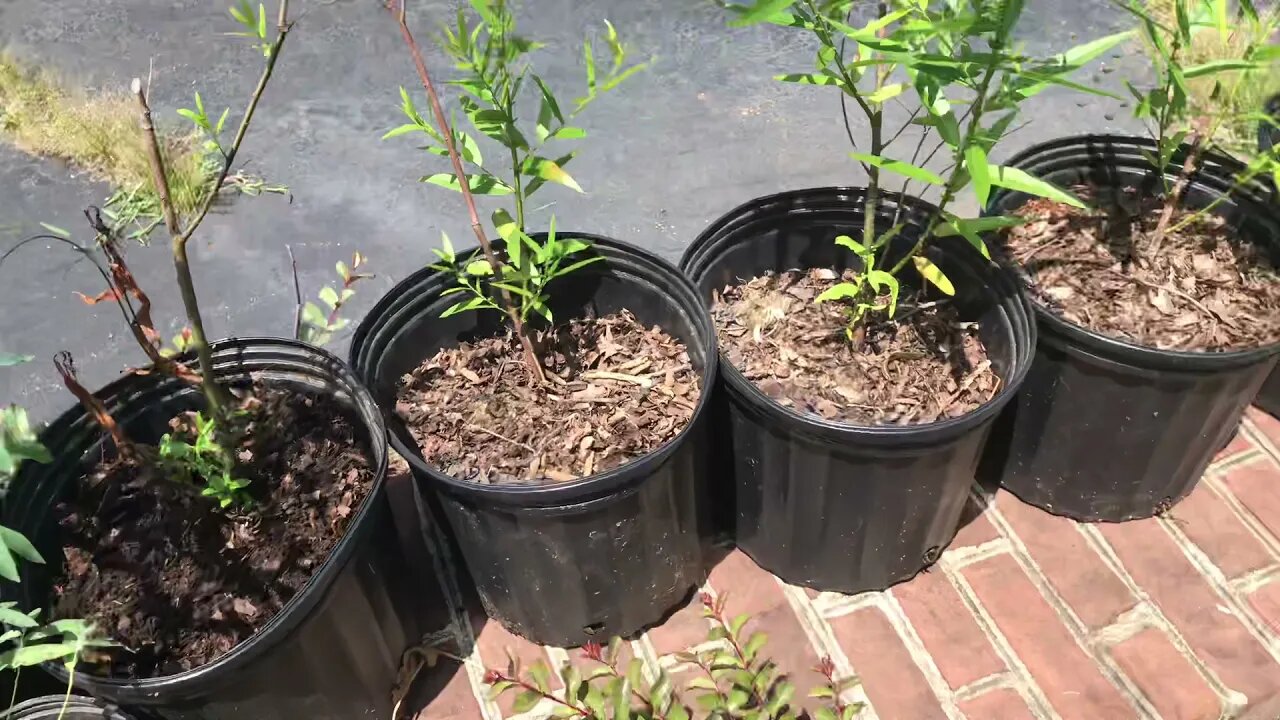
<point>729,678</point>
<point>532,267</point>
<point>495,66</point>
<point>315,325</point>
<point>958,59</point>
<point>205,459</point>
<point>1168,109</point>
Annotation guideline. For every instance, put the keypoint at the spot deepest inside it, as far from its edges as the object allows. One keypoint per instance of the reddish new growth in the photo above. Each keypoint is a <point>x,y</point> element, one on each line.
<point>593,651</point>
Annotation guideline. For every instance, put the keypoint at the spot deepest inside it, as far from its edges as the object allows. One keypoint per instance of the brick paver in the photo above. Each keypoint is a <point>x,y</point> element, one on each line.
<point>1026,616</point>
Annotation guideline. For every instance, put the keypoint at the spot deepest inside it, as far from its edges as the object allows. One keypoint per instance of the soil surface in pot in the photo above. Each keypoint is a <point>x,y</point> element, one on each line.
<point>179,582</point>
<point>923,366</point>
<point>1201,289</point>
<point>615,391</point>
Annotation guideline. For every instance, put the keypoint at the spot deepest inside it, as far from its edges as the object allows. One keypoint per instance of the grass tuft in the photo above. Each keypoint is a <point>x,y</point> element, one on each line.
<point>1255,87</point>
<point>100,134</point>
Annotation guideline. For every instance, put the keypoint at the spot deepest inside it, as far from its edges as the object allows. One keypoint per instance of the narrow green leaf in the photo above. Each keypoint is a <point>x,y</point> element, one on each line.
<point>262,21</point>
<point>8,566</point>
<point>858,248</point>
<point>934,274</point>
<point>549,170</point>
<point>8,359</point>
<point>975,160</point>
<point>839,291</point>
<point>480,184</point>
<point>16,619</point>
<point>884,282</point>
<point>1090,51</point>
<point>1012,178</point>
<point>899,167</point>
<point>589,58</point>
<point>1217,66</point>
<point>20,545</point>
<point>55,230</point>
<point>37,654</point>
<point>762,11</point>
<point>888,92</point>
<point>821,78</point>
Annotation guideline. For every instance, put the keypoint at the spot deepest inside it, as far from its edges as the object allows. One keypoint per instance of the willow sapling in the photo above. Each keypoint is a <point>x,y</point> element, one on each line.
<point>1176,123</point>
<point>948,55</point>
<point>495,69</point>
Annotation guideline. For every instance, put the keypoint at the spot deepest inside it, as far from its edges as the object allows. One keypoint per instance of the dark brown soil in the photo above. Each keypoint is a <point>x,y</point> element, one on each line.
<point>177,582</point>
<point>924,366</point>
<point>1201,290</point>
<point>615,391</point>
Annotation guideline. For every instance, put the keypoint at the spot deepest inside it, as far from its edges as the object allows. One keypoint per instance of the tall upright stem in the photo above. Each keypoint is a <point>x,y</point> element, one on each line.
<point>216,396</point>
<point>442,124</point>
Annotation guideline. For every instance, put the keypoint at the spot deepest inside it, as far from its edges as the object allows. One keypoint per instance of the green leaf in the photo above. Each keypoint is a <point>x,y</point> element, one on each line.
<point>839,291</point>
<point>541,675</point>
<point>38,654</point>
<point>1087,52</point>
<point>899,167</point>
<point>1218,66</point>
<point>755,643</point>
<point>55,230</point>
<point>822,692</point>
<point>468,148</point>
<point>736,625</point>
<point>975,160</point>
<point>1012,178</point>
<point>622,700</point>
<point>885,282</point>
<point>402,130</point>
<point>478,268</point>
<point>589,58</point>
<point>8,359</point>
<point>525,701</point>
<point>16,619</point>
<point>762,11</point>
<point>858,248</point>
<point>934,274</point>
<point>20,545</point>
<point>329,297</point>
<point>888,92</point>
<point>568,133</point>
<point>480,184</point>
<point>820,78</point>
<point>615,46</point>
<point>548,170</point>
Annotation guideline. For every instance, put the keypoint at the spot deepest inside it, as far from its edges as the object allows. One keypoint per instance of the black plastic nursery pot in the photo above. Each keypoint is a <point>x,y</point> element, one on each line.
<point>1268,137</point>
<point>57,707</point>
<point>834,506</point>
<point>1104,429</point>
<point>333,652</point>
<point>565,563</point>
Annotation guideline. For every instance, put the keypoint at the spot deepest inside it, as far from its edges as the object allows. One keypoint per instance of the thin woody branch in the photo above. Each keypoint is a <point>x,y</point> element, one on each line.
<point>442,124</point>
<point>216,396</point>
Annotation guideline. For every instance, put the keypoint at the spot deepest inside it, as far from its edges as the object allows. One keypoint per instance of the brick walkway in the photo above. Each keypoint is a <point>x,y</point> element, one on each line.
<point>1026,616</point>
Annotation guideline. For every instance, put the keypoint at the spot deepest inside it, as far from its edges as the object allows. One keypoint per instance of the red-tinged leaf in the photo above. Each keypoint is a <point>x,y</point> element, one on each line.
<point>103,296</point>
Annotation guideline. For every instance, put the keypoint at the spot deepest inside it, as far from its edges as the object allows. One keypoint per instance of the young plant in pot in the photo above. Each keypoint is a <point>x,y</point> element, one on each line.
<point>868,340</point>
<point>220,513</point>
<point>547,387</point>
<point>25,640</point>
<point>1159,306</point>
